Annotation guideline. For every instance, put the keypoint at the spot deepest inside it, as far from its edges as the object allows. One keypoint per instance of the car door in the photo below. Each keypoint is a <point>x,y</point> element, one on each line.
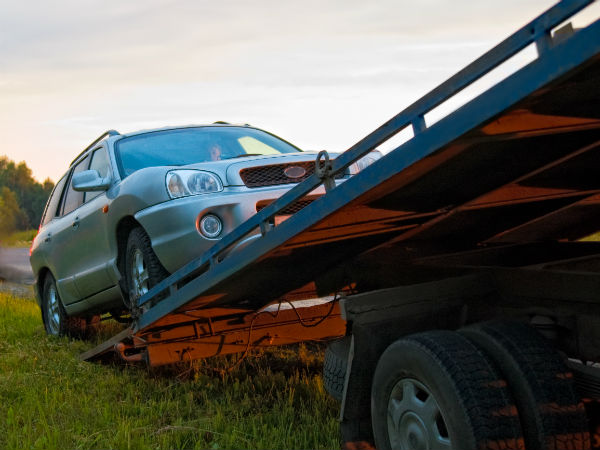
<point>65,260</point>
<point>98,265</point>
<point>47,252</point>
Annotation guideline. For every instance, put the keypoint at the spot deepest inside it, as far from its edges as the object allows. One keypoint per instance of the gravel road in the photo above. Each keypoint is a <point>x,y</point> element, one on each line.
<point>14,265</point>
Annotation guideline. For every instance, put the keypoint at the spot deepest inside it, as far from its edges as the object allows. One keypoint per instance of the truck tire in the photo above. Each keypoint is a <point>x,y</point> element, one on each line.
<point>55,319</point>
<point>437,390</point>
<point>334,367</point>
<point>552,415</point>
<point>143,270</point>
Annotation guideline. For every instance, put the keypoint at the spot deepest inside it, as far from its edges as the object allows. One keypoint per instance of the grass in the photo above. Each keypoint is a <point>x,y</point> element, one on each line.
<point>19,239</point>
<point>49,399</point>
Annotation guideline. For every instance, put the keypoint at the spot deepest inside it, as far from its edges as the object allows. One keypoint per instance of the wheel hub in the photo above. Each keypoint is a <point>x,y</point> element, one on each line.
<point>414,418</point>
<point>52,311</point>
<point>414,432</point>
<point>139,274</point>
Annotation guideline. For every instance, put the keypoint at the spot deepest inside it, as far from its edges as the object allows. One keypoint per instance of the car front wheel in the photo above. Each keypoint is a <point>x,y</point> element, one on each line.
<point>142,268</point>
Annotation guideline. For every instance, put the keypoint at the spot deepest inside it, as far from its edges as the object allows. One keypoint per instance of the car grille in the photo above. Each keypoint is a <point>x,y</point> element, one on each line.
<point>289,210</point>
<point>254,177</point>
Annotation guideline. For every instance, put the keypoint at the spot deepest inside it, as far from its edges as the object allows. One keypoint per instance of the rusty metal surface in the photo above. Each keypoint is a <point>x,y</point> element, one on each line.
<point>223,331</point>
<point>198,340</point>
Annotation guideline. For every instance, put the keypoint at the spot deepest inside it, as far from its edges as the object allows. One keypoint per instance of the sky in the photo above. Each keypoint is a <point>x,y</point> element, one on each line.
<point>321,74</point>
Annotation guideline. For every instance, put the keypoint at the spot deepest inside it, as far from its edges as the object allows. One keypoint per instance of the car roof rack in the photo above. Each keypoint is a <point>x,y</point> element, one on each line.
<point>98,139</point>
<point>221,122</point>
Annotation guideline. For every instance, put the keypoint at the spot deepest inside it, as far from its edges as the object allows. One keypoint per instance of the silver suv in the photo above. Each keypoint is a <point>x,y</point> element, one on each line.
<point>133,208</point>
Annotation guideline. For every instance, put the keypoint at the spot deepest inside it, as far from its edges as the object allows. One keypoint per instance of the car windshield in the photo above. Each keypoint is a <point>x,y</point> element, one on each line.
<point>183,146</point>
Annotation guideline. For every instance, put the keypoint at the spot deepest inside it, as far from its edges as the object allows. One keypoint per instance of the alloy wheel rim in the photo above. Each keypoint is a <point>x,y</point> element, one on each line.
<point>414,418</point>
<point>53,310</point>
<point>139,274</point>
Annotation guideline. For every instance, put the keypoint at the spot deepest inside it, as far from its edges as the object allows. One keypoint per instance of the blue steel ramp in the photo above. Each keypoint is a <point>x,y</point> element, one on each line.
<point>517,164</point>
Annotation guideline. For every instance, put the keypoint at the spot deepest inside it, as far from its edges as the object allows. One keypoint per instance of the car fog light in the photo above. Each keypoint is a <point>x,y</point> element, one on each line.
<point>210,226</point>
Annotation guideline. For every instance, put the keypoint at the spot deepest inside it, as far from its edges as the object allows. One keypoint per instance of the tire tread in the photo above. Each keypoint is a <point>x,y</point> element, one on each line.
<point>552,414</point>
<point>483,410</point>
<point>334,367</point>
<point>482,392</point>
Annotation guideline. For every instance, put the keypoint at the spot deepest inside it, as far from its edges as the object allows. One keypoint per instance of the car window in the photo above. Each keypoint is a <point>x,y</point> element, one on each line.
<point>52,206</point>
<point>183,146</point>
<point>101,163</point>
<point>255,147</point>
<point>74,199</point>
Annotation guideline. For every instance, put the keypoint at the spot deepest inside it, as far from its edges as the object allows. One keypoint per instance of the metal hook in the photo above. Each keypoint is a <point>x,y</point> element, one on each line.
<point>323,170</point>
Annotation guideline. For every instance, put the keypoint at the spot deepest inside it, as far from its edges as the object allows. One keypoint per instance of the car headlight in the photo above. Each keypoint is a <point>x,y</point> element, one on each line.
<point>365,161</point>
<point>183,182</point>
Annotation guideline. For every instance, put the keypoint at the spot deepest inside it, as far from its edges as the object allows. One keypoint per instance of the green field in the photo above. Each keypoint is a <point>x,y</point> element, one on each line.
<point>49,399</point>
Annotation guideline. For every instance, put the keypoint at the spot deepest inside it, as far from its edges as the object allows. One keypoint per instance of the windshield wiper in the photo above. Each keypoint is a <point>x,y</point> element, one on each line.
<point>243,155</point>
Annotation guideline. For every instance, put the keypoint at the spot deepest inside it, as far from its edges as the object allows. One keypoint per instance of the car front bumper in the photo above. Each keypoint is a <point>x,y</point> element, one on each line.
<point>172,226</point>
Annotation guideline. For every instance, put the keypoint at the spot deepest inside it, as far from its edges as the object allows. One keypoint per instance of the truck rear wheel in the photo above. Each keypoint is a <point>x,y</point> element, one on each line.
<point>437,390</point>
<point>552,415</point>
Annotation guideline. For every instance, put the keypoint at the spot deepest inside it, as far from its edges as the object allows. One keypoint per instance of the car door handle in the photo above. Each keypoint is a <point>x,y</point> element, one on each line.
<point>75,223</point>
<point>48,237</point>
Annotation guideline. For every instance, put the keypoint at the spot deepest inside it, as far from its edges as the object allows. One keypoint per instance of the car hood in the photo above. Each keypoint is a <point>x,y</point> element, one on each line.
<point>229,169</point>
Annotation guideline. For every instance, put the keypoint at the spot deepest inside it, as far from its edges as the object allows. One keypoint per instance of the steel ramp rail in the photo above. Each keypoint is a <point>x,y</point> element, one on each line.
<point>507,167</point>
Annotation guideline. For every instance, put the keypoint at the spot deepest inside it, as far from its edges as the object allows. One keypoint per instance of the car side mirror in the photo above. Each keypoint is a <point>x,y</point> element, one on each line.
<point>90,180</point>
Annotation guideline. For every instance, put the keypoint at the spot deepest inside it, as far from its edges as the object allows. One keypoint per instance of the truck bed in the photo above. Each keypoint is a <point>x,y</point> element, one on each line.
<point>507,180</point>
<point>518,164</point>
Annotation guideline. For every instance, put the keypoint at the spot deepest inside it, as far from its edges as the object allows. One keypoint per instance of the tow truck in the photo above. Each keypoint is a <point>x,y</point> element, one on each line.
<point>456,284</point>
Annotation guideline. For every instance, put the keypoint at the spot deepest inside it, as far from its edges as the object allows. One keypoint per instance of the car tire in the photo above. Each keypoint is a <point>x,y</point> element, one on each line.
<point>437,390</point>
<point>552,415</point>
<point>55,319</point>
<point>334,367</point>
<point>143,270</point>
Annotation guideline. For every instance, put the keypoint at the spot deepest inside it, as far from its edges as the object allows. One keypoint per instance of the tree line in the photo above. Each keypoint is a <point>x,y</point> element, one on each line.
<point>22,198</point>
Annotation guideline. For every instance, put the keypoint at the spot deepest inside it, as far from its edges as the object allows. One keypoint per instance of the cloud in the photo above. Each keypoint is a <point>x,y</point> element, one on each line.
<point>320,73</point>
<point>156,37</point>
